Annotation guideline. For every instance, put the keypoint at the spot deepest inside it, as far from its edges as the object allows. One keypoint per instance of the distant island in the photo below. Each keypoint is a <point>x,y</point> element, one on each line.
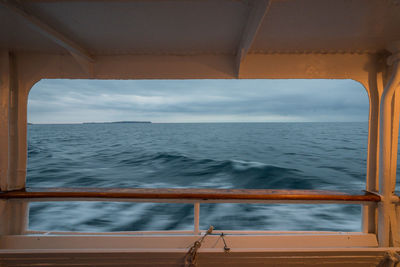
<point>116,122</point>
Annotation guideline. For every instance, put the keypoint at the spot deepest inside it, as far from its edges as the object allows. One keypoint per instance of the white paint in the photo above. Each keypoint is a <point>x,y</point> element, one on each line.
<point>4,118</point>
<point>196,217</point>
<point>386,143</point>
<point>207,257</point>
<point>167,242</point>
<point>375,88</point>
<point>13,99</point>
<point>14,217</point>
<point>256,16</point>
<point>76,50</point>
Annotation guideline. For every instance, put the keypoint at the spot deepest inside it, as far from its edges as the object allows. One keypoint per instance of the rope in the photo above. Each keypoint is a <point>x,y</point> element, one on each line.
<point>226,248</point>
<point>191,256</point>
<point>391,259</point>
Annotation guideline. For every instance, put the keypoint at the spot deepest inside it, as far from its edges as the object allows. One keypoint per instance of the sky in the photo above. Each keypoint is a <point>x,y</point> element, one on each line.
<point>76,101</point>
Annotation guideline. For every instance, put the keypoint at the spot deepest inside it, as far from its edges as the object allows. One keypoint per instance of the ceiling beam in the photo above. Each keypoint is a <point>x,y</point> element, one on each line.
<point>256,16</point>
<point>83,57</point>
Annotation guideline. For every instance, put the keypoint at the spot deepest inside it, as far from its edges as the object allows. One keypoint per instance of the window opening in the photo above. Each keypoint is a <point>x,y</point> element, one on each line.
<point>250,134</point>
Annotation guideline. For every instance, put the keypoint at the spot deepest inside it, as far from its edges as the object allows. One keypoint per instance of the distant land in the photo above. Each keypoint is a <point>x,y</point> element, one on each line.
<point>116,122</point>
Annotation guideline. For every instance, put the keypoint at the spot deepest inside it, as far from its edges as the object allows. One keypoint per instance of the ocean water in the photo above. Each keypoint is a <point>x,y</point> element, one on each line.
<point>199,155</point>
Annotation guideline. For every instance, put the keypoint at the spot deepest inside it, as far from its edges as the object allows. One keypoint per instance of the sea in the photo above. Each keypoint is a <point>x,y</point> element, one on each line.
<point>329,156</point>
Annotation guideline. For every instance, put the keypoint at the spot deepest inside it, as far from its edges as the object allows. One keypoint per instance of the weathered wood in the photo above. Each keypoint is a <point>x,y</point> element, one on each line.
<point>190,193</point>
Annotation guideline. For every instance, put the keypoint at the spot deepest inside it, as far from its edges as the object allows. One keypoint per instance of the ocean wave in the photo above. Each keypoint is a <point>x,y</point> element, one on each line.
<point>172,169</point>
<point>180,169</point>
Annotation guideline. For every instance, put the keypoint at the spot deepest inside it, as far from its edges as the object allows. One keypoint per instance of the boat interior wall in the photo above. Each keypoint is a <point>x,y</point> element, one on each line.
<point>180,27</point>
<point>222,39</point>
<point>277,66</point>
<point>187,28</point>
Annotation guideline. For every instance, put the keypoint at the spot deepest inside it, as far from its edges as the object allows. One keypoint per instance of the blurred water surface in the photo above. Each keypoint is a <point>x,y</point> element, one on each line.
<point>198,155</point>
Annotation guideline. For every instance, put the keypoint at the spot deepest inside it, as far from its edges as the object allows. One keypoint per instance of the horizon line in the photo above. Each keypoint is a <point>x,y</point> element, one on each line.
<point>193,122</point>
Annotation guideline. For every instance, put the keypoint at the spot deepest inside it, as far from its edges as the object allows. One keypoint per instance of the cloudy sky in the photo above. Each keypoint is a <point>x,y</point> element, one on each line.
<point>74,101</point>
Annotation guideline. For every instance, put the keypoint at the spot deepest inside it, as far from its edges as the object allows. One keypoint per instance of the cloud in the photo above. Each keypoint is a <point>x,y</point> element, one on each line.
<point>69,101</point>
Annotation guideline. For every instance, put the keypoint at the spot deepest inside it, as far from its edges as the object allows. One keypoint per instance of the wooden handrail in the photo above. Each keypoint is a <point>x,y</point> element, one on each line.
<point>189,193</point>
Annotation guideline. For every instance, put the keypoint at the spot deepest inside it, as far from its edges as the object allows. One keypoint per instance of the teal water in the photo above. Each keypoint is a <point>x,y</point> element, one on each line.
<point>214,155</point>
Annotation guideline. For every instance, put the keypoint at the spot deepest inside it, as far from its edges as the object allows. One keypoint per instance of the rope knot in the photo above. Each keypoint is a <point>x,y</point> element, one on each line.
<point>191,256</point>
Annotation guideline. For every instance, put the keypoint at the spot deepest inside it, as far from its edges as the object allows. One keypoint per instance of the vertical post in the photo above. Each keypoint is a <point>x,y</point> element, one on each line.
<point>375,88</point>
<point>4,118</point>
<point>14,217</point>
<point>13,144</point>
<point>395,135</point>
<point>17,128</point>
<point>387,142</point>
<point>13,125</point>
<point>394,223</point>
<point>196,218</point>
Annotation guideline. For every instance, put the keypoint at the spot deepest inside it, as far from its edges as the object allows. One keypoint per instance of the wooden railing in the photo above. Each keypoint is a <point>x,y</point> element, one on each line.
<point>194,196</point>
